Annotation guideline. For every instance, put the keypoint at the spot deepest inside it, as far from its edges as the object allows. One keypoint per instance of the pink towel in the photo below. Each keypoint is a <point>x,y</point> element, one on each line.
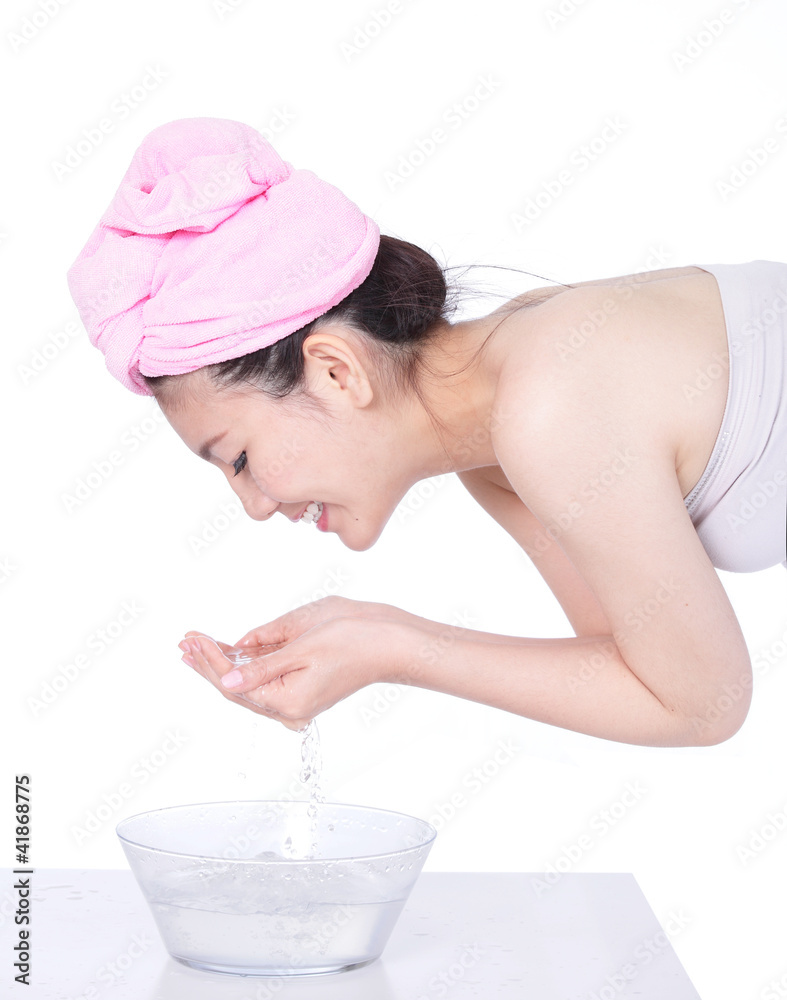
<point>213,247</point>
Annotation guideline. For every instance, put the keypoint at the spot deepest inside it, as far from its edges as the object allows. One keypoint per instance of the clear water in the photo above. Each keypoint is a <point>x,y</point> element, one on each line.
<point>276,920</point>
<point>311,776</point>
<point>277,938</point>
<point>279,920</point>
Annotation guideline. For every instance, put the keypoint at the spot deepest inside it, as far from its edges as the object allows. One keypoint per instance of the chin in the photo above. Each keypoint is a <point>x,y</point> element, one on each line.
<point>359,540</point>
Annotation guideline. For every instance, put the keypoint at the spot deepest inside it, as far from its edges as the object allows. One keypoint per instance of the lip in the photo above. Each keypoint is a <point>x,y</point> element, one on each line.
<point>322,522</point>
<point>300,514</point>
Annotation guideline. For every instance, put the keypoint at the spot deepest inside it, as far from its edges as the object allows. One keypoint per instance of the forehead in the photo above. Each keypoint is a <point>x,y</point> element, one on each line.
<point>198,411</point>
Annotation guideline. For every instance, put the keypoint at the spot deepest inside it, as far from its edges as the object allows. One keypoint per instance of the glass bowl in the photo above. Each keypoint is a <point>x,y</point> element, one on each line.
<point>275,888</point>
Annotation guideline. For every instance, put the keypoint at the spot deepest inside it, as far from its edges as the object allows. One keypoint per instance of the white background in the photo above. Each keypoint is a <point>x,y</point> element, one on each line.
<point>357,100</point>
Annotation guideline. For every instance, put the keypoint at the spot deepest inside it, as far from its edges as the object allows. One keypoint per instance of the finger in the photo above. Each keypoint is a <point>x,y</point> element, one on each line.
<point>273,633</point>
<point>206,664</point>
<point>293,623</point>
<point>213,664</point>
<point>211,654</point>
<point>261,670</point>
<point>223,646</point>
<point>296,725</point>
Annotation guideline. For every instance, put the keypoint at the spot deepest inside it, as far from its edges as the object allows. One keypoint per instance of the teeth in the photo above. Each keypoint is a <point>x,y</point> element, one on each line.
<point>312,512</point>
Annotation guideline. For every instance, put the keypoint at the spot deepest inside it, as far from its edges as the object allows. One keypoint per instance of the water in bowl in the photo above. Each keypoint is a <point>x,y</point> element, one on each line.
<point>233,918</point>
<point>263,923</point>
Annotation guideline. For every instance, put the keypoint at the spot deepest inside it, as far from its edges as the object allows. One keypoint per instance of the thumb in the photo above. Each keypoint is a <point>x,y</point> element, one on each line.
<point>261,670</point>
<point>272,634</point>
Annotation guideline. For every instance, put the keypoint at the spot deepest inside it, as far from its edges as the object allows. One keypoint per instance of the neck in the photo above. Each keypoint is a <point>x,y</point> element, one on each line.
<point>458,437</point>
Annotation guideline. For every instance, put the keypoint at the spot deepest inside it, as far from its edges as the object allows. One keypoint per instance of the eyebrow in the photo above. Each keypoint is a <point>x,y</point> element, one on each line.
<point>204,451</point>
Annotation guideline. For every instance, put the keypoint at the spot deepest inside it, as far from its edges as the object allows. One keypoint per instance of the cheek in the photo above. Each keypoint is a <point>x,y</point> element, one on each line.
<point>281,470</point>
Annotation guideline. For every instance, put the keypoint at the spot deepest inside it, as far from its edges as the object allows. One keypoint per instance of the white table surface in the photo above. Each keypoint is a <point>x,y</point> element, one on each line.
<point>588,937</point>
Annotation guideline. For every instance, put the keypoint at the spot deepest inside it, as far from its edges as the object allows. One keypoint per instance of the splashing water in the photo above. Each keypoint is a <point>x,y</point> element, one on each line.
<point>311,776</point>
<point>311,763</point>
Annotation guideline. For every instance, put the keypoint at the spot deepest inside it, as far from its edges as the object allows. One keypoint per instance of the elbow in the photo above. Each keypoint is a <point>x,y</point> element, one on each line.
<point>705,731</point>
<point>712,738</point>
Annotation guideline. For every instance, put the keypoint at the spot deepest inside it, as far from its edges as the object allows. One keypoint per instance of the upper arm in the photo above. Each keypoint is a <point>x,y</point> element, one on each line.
<point>608,491</point>
<point>579,603</point>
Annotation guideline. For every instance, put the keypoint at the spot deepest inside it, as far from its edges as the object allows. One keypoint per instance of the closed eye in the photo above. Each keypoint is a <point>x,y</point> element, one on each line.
<point>240,463</point>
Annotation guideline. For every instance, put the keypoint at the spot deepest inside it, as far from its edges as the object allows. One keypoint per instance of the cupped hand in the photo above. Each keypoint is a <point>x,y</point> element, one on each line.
<point>308,659</point>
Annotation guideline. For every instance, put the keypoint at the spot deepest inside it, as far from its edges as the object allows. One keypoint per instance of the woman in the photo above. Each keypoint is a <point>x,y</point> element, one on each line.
<point>312,361</point>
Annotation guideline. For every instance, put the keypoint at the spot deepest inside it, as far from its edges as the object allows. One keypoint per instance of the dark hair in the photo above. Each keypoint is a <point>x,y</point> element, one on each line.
<point>402,303</point>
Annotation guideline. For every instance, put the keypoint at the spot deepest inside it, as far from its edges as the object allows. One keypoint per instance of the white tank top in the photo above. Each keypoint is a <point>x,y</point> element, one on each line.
<point>739,505</point>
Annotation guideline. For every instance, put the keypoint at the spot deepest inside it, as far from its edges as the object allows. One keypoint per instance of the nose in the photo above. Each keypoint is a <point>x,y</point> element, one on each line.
<point>268,508</point>
<point>257,505</point>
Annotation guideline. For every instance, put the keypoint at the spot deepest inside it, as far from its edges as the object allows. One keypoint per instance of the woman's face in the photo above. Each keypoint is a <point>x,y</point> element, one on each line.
<point>279,455</point>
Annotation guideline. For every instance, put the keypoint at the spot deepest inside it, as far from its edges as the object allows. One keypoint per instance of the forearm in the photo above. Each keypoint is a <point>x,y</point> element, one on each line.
<point>579,683</point>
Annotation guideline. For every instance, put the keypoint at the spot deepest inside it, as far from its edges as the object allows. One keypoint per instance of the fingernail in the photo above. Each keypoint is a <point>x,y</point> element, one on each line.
<point>196,643</point>
<point>188,661</point>
<point>233,679</point>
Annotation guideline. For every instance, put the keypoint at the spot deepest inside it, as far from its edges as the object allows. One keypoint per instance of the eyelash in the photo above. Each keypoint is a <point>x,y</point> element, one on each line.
<point>240,461</point>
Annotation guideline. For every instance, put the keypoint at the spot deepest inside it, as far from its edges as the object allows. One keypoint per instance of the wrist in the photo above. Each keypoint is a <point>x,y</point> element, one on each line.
<point>408,652</point>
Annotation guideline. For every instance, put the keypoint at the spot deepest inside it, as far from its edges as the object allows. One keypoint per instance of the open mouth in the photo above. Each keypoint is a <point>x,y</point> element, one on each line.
<point>312,512</point>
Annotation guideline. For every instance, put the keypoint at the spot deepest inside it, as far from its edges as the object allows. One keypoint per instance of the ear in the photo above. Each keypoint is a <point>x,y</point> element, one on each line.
<point>335,364</point>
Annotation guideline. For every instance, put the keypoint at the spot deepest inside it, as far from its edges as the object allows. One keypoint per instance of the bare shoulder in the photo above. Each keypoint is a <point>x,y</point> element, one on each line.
<point>586,437</point>
<point>614,358</point>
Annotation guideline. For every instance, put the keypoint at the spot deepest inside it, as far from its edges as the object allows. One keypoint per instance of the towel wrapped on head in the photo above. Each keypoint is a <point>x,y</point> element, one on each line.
<point>213,247</point>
